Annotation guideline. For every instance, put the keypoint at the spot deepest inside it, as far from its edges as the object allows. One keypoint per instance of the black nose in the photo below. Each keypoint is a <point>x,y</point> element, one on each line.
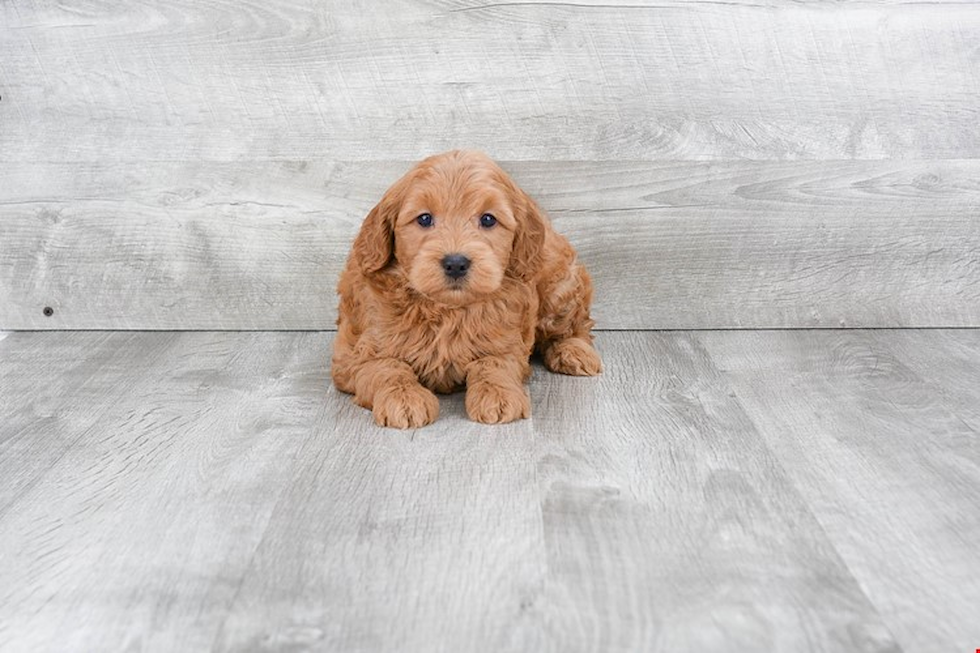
<point>455,265</point>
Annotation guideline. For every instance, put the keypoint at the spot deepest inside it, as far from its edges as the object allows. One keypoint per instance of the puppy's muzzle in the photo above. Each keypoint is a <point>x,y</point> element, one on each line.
<point>455,266</point>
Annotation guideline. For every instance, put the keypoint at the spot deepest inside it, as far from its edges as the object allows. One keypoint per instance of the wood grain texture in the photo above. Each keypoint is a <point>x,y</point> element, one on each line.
<point>39,426</point>
<point>390,541</point>
<point>230,500</point>
<point>219,80</point>
<point>887,459</point>
<point>203,245</point>
<point>137,537</point>
<point>204,165</point>
<point>669,524</point>
<point>948,363</point>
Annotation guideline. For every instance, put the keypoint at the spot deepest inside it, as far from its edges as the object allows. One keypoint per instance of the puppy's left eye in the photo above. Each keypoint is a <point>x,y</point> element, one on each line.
<point>487,220</point>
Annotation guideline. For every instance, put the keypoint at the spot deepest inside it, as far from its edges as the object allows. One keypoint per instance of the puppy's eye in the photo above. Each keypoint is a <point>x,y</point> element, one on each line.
<point>424,220</point>
<point>487,220</point>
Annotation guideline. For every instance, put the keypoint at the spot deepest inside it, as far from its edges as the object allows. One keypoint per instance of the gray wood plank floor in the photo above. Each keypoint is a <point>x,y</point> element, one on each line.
<point>712,491</point>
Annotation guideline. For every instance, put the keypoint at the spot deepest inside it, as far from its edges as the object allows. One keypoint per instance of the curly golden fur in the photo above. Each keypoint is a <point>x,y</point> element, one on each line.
<point>455,277</point>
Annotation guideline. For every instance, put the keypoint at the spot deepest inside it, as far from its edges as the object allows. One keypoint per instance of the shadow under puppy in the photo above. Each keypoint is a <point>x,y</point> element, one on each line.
<point>455,277</point>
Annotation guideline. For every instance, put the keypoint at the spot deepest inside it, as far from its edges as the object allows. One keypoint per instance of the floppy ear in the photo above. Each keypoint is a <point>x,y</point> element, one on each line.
<point>526,256</point>
<point>374,245</point>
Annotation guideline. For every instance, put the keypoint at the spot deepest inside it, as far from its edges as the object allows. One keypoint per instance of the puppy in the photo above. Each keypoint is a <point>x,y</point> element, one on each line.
<point>455,277</point>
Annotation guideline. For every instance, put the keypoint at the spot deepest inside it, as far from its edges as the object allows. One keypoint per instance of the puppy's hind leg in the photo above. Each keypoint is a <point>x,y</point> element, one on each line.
<point>574,356</point>
<point>564,333</point>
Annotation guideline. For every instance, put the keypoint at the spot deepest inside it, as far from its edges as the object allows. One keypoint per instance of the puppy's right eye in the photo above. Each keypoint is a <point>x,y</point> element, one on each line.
<point>424,220</point>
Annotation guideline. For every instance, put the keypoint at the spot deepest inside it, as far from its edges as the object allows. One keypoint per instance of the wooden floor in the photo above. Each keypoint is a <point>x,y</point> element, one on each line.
<point>712,491</point>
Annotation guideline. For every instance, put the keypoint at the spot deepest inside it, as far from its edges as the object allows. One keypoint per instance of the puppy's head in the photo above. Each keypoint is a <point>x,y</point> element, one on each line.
<point>455,225</point>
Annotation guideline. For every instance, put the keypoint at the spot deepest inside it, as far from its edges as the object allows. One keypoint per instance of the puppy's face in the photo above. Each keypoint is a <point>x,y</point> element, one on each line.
<point>455,230</point>
<point>455,225</point>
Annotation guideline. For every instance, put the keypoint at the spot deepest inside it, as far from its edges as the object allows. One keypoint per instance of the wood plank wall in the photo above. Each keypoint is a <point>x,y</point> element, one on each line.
<point>772,163</point>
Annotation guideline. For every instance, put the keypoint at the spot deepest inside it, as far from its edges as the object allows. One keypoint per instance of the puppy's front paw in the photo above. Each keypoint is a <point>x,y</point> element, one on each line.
<point>573,356</point>
<point>492,404</point>
<point>405,406</point>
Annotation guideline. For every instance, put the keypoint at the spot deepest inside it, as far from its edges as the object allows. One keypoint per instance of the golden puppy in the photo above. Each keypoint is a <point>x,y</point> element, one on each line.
<point>454,278</point>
